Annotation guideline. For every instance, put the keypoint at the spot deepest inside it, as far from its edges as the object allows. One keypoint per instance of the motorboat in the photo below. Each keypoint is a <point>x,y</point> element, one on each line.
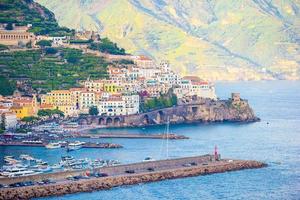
<point>74,145</point>
<point>26,157</point>
<point>16,172</point>
<point>53,145</point>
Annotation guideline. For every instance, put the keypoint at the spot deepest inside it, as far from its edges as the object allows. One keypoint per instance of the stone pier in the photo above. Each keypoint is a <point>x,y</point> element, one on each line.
<point>142,173</point>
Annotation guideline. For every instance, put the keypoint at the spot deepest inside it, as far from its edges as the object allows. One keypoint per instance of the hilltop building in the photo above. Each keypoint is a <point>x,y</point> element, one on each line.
<point>19,35</point>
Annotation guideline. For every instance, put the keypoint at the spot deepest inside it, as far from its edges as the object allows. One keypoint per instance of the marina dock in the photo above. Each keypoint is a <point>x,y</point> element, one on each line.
<point>119,175</point>
<point>131,136</point>
<point>86,145</point>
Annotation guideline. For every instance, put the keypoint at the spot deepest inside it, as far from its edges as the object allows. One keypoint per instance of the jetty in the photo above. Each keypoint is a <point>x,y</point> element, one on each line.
<point>85,145</point>
<point>130,136</point>
<point>119,175</point>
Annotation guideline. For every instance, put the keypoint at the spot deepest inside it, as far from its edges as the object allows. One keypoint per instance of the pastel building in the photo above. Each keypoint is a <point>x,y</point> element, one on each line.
<point>194,86</point>
<point>62,100</point>
<point>118,104</point>
<point>24,106</point>
<point>10,119</point>
<point>19,35</point>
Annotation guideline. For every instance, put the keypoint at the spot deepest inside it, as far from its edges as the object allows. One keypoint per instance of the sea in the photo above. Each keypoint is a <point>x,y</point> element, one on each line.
<point>274,140</point>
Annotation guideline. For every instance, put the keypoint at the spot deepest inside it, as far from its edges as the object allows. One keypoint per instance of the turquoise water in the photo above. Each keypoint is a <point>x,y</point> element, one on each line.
<point>276,143</point>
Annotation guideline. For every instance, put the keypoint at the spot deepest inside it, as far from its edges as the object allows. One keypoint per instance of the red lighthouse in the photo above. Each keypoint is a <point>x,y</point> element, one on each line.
<point>216,153</point>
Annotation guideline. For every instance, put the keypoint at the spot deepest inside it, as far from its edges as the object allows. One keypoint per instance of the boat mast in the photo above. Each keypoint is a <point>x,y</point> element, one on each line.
<point>168,126</point>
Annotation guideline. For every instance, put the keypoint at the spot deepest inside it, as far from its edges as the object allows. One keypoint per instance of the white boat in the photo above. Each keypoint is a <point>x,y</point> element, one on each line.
<point>26,157</point>
<point>53,145</point>
<point>56,166</point>
<point>15,172</point>
<point>74,146</point>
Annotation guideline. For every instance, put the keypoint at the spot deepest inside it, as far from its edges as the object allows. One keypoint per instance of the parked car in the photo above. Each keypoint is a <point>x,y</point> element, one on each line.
<point>98,175</point>
<point>150,169</point>
<point>130,171</point>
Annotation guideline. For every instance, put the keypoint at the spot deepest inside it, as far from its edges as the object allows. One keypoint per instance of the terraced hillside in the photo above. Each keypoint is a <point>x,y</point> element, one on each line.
<point>23,12</point>
<point>51,68</point>
<point>216,39</point>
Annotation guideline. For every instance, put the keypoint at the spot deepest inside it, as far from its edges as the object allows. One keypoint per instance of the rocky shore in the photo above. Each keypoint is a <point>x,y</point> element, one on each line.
<point>190,110</point>
<point>67,187</point>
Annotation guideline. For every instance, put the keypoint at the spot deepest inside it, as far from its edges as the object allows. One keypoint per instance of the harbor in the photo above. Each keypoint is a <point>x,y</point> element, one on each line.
<point>27,165</point>
<point>40,144</point>
<point>61,183</point>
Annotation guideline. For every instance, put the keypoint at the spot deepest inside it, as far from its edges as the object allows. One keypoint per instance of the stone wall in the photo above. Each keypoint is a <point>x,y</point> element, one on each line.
<point>203,110</point>
<point>113,181</point>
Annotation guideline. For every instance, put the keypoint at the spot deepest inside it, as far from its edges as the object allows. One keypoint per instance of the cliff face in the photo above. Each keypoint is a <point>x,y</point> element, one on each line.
<point>187,111</point>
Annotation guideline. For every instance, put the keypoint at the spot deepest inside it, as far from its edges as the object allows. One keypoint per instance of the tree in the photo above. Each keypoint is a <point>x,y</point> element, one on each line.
<point>72,59</point>
<point>3,121</point>
<point>51,50</point>
<point>50,113</point>
<point>29,119</point>
<point>44,43</point>
<point>6,87</point>
<point>9,26</point>
<point>93,110</point>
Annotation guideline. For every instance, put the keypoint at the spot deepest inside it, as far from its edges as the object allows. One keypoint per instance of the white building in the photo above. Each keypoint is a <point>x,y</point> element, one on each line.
<point>10,120</point>
<point>118,104</point>
<point>194,86</point>
<point>87,100</point>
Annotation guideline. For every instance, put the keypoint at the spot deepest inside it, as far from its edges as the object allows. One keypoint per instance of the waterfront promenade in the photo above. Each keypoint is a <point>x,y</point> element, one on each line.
<point>123,175</point>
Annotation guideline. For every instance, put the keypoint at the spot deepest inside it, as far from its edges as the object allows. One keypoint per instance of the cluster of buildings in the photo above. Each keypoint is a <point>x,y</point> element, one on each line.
<point>20,36</point>
<point>120,94</point>
<point>16,107</point>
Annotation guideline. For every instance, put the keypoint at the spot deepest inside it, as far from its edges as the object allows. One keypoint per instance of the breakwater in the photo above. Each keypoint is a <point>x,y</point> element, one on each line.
<point>118,176</point>
<point>131,136</point>
<point>195,110</point>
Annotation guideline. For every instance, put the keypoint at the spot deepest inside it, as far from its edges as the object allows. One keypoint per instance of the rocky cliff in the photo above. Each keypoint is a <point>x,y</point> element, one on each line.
<point>195,110</point>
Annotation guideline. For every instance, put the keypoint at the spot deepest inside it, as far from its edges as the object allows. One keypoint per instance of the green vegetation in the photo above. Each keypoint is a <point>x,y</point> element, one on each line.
<point>7,86</point>
<point>2,123</point>
<point>80,41</point>
<point>124,62</point>
<point>93,110</point>
<point>3,47</point>
<point>23,12</point>
<point>50,113</point>
<point>29,119</point>
<point>44,43</point>
<point>48,71</point>
<point>107,46</point>
<point>160,102</point>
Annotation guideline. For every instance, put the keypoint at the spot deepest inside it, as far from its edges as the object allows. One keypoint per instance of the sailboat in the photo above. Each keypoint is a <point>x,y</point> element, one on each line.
<point>167,133</point>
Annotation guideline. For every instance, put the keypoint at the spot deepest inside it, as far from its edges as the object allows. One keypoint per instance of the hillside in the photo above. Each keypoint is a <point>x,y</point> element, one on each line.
<point>218,40</point>
<point>23,12</point>
<point>51,68</point>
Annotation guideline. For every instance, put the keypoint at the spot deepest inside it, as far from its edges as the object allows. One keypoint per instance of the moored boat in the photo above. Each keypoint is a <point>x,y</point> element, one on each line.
<point>53,145</point>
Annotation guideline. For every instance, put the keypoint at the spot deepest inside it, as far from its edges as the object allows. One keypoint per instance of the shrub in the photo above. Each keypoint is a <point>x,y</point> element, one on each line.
<point>44,43</point>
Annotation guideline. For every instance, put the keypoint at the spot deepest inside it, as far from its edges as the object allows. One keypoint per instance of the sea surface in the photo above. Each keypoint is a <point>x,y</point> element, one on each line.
<point>275,140</point>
